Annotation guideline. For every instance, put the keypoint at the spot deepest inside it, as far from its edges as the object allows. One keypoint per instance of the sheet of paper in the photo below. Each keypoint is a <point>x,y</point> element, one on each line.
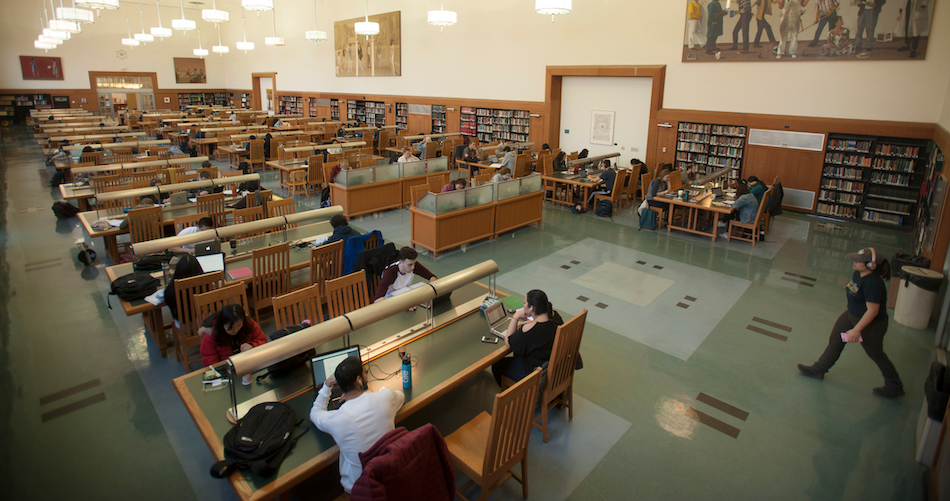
<point>114,222</point>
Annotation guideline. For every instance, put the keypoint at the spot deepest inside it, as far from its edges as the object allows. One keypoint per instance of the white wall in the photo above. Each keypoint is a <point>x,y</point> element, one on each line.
<point>499,50</point>
<point>945,114</point>
<point>628,97</point>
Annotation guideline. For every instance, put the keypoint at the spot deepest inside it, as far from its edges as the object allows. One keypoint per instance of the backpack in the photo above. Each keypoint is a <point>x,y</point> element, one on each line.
<point>134,286</point>
<point>152,262</point>
<point>58,178</point>
<point>648,219</point>
<point>64,210</point>
<point>285,367</point>
<point>325,198</point>
<point>605,208</point>
<point>260,440</point>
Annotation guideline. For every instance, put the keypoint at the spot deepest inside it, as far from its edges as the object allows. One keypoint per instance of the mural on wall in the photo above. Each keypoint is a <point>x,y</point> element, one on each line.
<point>806,30</point>
<point>190,70</point>
<point>374,56</point>
<point>41,68</point>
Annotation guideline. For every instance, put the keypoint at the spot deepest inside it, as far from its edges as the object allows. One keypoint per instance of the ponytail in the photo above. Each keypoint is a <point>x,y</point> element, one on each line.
<point>883,269</point>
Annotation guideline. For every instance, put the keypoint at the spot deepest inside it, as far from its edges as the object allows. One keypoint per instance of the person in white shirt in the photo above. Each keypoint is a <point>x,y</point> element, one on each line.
<point>233,117</point>
<point>205,223</point>
<point>363,418</point>
<point>407,156</point>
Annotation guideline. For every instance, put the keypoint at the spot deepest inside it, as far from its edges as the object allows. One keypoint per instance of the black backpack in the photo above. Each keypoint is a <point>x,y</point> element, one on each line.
<point>260,440</point>
<point>325,198</point>
<point>135,285</point>
<point>285,367</point>
<point>605,208</point>
<point>64,210</point>
<point>58,178</point>
<point>152,262</point>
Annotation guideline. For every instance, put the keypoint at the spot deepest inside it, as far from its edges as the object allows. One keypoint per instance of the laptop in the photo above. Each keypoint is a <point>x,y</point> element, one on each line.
<point>211,263</point>
<point>717,192</point>
<point>207,247</point>
<point>179,198</point>
<point>323,365</point>
<point>497,317</point>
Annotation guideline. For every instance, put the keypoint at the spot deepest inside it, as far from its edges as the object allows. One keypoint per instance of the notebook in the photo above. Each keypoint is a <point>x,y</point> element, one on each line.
<point>498,319</point>
<point>211,262</point>
<point>324,364</point>
<point>240,273</point>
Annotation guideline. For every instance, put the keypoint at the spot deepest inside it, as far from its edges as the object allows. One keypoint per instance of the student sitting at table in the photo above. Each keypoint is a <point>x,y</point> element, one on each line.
<point>334,149</point>
<point>399,275</point>
<point>205,175</point>
<point>545,148</point>
<point>179,149</point>
<point>186,267</point>
<point>233,117</point>
<point>362,419</point>
<point>503,174</point>
<point>205,223</point>
<point>560,164</point>
<point>530,336</point>
<point>756,188</point>
<point>744,208</point>
<point>608,176</point>
<point>509,158</point>
<point>471,154</point>
<point>231,332</point>
<point>458,184</point>
<point>407,156</point>
<point>340,167</point>
<point>659,186</point>
<point>341,230</point>
<point>689,174</point>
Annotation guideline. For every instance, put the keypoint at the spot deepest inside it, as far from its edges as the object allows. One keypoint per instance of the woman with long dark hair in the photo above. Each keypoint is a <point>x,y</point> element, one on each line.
<point>865,322</point>
<point>531,341</point>
<point>187,267</point>
<point>232,332</point>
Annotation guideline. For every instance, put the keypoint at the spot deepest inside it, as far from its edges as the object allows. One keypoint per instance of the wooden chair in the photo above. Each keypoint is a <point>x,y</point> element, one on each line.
<point>435,183</point>
<point>281,208</point>
<point>122,155</point>
<point>347,293</point>
<point>212,204</point>
<point>101,183</point>
<point>417,192</point>
<point>676,180</point>
<point>615,192</point>
<point>431,151</point>
<point>521,166</point>
<point>256,154</point>
<point>559,386</point>
<point>295,307</point>
<point>271,267</point>
<point>630,188</point>
<point>187,340</point>
<point>145,224</point>
<point>326,263</point>
<point>91,156</point>
<point>298,182</point>
<point>182,222</point>
<point>184,178</point>
<point>334,158</point>
<point>327,170</point>
<point>315,176</point>
<point>645,181</point>
<point>481,179</point>
<point>750,232</point>
<point>248,215</point>
<point>216,299</point>
<point>488,447</point>
<point>371,242</point>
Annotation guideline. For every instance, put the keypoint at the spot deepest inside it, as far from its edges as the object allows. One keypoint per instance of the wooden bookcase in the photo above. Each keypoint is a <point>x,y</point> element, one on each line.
<point>438,118</point>
<point>496,124</point>
<point>290,105</point>
<point>710,147</point>
<point>467,121</point>
<point>240,100</point>
<point>334,109</point>
<point>368,112</point>
<point>402,115</point>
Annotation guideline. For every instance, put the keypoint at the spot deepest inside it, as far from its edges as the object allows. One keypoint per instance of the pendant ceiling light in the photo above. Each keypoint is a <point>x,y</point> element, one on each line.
<point>49,32</point>
<point>213,15</point>
<point>442,17</point>
<point>60,24</point>
<point>98,5</point>
<point>315,35</point>
<point>74,14</point>
<point>43,45</point>
<point>143,36</point>
<point>200,52</point>
<point>365,27</point>
<point>160,31</point>
<point>183,24</point>
<point>220,48</point>
<point>245,45</point>
<point>274,41</point>
<point>552,7</point>
<point>129,42</point>
<point>41,41</point>
<point>258,5</point>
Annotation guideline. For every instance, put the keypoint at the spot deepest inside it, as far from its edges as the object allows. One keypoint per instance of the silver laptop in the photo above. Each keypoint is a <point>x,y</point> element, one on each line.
<point>324,364</point>
<point>207,247</point>
<point>179,198</point>
<point>211,263</point>
<point>497,317</point>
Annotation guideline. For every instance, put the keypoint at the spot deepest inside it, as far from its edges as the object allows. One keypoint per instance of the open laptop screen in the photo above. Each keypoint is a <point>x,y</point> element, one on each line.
<point>495,312</point>
<point>323,365</point>
<point>211,262</point>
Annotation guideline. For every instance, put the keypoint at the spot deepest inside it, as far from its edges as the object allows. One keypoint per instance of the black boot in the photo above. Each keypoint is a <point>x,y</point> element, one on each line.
<point>893,388</point>
<point>811,371</point>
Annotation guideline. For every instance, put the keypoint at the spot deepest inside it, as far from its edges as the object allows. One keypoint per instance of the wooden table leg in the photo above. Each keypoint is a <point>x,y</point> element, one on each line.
<point>83,204</point>
<point>156,327</point>
<point>112,247</point>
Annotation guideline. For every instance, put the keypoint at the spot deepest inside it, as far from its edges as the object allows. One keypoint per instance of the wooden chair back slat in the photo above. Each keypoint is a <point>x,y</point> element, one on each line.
<point>182,222</point>
<point>418,191</point>
<point>213,205</point>
<point>510,426</point>
<point>248,215</point>
<point>216,299</point>
<point>295,307</point>
<point>145,224</point>
<point>347,293</point>
<point>186,333</point>
<point>326,263</point>
<point>281,208</point>
<point>271,267</point>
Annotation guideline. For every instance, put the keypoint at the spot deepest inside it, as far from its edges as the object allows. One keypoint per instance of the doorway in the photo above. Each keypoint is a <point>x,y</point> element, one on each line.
<point>119,92</point>
<point>264,92</point>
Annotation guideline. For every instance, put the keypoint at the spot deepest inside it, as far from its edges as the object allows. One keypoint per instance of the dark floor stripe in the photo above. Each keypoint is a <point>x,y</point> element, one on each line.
<point>771,324</point>
<point>69,391</point>
<point>689,298</point>
<point>75,406</point>
<point>797,281</point>
<point>801,276</point>
<point>27,265</point>
<point>38,268</point>
<point>724,407</point>
<point>682,305</point>
<point>712,422</point>
<point>767,333</point>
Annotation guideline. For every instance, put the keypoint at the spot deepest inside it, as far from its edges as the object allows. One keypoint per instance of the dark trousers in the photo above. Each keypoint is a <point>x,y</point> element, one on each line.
<point>711,44</point>
<point>510,367</point>
<point>744,19</point>
<point>762,24</point>
<point>661,205</point>
<point>829,20</point>
<point>873,345</point>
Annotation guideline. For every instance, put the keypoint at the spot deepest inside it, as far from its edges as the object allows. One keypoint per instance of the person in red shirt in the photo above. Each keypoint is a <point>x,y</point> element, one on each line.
<point>458,184</point>
<point>399,275</point>
<point>232,332</point>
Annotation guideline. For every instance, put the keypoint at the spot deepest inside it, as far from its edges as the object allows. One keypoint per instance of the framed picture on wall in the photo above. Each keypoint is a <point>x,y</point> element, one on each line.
<point>374,56</point>
<point>41,68</point>
<point>602,127</point>
<point>190,70</point>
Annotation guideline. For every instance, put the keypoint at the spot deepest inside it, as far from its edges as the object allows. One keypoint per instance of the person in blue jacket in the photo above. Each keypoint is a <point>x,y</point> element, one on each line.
<point>341,229</point>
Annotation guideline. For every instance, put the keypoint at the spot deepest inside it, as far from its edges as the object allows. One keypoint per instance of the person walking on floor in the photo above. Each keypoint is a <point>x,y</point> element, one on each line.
<point>865,322</point>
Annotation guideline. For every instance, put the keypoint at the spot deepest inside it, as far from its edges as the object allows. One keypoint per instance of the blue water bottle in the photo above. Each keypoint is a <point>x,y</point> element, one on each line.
<point>406,371</point>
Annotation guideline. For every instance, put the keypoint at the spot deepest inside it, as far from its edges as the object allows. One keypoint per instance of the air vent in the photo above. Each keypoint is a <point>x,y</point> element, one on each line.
<point>420,109</point>
<point>800,199</point>
<point>787,139</point>
<point>323,102</point>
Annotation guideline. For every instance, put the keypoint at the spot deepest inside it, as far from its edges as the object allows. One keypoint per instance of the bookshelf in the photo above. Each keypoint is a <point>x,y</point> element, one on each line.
<point>290,105</point>
<point>334,109</point>
<point>204,98</point>
<point>467,121</point>
<point>402,115</point>
<point>240,100</point>
<point>496,124</point>
<point>871,179</point>
<point>710,147</point>
<point>931,206</point>
<point>18,106</point>
<point>368,112</point>
<point>220,99</point>
<point>438,118</point>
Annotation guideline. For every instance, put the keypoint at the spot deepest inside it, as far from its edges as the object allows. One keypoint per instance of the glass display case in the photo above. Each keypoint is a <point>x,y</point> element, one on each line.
<point>410,169</point>
<point>386,172</point>
<point>440,164</point>
<point>354,177</point>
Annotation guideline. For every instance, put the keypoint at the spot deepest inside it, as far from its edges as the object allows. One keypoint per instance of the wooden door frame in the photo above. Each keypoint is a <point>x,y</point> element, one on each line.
<point>256,102</point>
<point>554,76</point>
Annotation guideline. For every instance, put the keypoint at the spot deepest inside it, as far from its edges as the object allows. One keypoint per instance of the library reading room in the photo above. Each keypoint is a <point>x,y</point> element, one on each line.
<point>307,250</point>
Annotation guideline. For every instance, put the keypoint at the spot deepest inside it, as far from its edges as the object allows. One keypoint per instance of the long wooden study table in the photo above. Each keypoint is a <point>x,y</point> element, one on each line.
<point>569,181</point>
<point>376,196</point>
<point>448,356</point>
<point>697,213</point>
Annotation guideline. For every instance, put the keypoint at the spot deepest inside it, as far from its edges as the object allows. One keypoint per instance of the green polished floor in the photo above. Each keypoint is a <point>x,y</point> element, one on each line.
<point>123,433</point>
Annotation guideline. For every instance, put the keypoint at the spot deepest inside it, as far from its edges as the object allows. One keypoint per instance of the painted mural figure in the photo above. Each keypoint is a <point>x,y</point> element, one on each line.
<point>839,42</point>
<point>694,28</point>
<point>392,55</point>
<point>714,15</point>
<point>33,68</point>
<point>825,14</point>
<point>912,21</point>
<point>868,12</point>
<point>745,17</point>
<point>55,69</point>
<point>790,27</point>
<point>763,9</point>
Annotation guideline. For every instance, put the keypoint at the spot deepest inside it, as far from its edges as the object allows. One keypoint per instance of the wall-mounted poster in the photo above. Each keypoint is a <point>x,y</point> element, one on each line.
<point>41,68</point>
<point>806,30</point>
<point>190,70</point>
<point>602,127</point>
<point>373,56</point>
